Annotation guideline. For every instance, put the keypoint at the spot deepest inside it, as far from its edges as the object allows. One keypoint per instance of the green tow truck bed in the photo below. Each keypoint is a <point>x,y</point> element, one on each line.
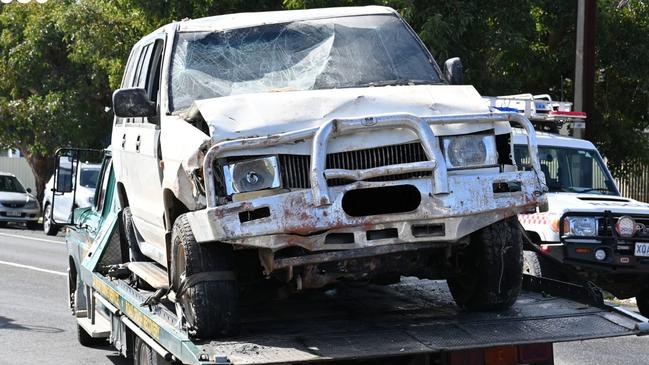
<point>412,318</point>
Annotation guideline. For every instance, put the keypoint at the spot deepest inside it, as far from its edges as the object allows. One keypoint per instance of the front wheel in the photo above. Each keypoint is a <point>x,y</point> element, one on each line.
<point>210,305</point>
<point>643,302</point>
<point>49,227</point>
<point>491,268</point>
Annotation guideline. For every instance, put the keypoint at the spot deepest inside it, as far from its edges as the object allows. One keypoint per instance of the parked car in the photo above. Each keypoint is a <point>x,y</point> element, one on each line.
<point>17,204</point>
<point>589,227</point>
<point>60,211</point>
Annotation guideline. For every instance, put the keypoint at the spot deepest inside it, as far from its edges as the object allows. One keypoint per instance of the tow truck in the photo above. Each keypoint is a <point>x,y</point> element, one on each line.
<point>411,322</point>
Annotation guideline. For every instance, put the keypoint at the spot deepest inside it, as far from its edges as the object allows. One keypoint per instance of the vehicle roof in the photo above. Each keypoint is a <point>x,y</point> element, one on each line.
<point>2,173</point>
<point>243,20</point>
<point>551,139</point>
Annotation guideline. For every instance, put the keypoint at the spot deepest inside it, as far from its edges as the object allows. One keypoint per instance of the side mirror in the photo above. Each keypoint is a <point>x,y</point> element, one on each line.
<point>63,181</point>
<point>133,103</point>
<point>29,190</point>
<point>454,71</point>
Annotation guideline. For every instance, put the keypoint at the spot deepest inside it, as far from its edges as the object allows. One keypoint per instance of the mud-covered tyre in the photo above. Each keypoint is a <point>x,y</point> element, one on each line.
<point>49,227</point>
<point>532,264</point>
<point>642,301</point>
<point>209,307</point>
<point>491,268</point>
<point>144,355</point>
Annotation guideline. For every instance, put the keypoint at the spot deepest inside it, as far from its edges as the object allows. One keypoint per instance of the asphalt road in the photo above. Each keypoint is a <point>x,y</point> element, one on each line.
<point>37,327</point>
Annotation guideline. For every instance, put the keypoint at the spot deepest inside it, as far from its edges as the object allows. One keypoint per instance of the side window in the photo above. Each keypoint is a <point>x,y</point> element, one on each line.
<point>147,74</point>
<point>155,66</point>
<point>102,184</point>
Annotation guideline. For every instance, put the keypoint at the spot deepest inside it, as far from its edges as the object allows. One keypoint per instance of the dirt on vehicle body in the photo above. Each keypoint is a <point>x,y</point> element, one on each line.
<point>314,146</point>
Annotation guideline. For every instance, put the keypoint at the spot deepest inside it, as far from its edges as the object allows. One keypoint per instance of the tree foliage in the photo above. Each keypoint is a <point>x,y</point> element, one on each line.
<point>60,61</point>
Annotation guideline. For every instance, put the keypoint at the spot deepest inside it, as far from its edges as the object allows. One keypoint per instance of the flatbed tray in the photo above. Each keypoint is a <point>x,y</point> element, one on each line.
<point>414,316</point>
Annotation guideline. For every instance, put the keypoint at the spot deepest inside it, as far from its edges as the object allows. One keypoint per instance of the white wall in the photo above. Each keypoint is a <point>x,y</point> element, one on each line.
<point>19,167</point>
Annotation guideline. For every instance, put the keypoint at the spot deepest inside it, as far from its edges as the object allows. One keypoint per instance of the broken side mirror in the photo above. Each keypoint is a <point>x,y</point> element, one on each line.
<point>454,71</point>
<point>133,103</point>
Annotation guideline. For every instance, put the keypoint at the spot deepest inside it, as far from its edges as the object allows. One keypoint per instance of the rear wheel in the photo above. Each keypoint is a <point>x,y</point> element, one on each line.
<point>144,355</point>
<point>210,306</point>
<point>49,227</point>
<point>491,268</point>
<point>642,300</point>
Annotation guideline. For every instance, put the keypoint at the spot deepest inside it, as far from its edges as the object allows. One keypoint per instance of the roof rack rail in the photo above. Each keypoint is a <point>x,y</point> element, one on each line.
<point>544,113</point>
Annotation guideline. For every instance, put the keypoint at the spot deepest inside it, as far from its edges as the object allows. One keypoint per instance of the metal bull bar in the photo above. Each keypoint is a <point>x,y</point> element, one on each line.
<point>319,174</point>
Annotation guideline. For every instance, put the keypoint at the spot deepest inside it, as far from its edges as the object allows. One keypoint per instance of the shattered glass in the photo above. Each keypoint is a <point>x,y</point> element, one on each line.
<point>304,55</point>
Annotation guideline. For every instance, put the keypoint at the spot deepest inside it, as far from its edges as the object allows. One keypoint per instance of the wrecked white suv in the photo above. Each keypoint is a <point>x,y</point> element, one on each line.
<point>311,147</point>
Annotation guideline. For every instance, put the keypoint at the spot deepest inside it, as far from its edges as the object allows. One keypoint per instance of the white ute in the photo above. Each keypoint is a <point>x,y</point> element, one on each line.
<point>313,146</point>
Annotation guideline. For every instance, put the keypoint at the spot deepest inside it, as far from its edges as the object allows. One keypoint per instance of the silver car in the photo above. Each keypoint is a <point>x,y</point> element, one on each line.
<point>17,204</point>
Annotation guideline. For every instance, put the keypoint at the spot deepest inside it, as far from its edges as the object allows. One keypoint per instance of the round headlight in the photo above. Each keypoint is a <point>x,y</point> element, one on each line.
<point>600,254</point>
<point>467,151</point>
<point>625,226</point>
<point>252,175</point>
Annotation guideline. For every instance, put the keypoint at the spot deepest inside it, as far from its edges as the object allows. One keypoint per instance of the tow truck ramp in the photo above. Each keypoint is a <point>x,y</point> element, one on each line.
<point>368,322</point>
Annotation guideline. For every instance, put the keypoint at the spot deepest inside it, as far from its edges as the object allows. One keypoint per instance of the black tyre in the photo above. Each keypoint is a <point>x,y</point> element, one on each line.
<point>49,227</point>
<point>32,225</point>
<point>144,355</point>
<point>532,264</point>
<point>491,268</point>
<point>210,307</point>
<point>642,300</point>
<point>3,224</point>
<point>131,237</point>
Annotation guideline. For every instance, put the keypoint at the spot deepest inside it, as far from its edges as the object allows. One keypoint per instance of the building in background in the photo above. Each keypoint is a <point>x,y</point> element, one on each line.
<point>11,161</point>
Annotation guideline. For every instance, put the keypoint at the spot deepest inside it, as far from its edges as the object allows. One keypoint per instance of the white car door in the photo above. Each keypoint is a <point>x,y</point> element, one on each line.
<point>140,158</point>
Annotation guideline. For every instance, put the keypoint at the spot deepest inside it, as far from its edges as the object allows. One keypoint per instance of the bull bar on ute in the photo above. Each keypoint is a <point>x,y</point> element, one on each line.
<point>287,224</point>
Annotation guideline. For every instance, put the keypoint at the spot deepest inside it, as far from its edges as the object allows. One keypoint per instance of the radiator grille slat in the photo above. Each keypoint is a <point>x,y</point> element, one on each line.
<point>295,168</point>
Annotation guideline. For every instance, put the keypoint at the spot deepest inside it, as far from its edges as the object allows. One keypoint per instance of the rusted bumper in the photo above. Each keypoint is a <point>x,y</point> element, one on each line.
<point>294,220</point>
<point>451,204</point>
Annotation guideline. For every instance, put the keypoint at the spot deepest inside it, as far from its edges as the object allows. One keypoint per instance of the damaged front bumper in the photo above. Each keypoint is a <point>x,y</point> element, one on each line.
<point>443,208</point>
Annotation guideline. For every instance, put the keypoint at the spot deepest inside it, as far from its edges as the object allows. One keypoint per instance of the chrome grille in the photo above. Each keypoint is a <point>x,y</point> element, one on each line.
<point>295,168</point>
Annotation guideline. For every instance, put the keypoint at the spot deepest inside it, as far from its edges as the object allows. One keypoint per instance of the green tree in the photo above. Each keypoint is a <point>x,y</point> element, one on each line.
<point>46,99</point>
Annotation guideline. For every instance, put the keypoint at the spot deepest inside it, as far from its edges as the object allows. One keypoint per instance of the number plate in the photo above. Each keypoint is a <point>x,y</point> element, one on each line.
<point>642,249</point>
<point>13,214</point>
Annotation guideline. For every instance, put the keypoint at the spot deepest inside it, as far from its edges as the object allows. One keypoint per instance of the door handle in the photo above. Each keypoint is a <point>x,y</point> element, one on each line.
<point>124,141</point>
<point>137,144</point>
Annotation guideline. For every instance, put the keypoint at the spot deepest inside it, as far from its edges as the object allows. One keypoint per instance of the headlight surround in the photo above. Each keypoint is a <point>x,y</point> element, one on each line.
<point>31,204</point>
<point>466,151</point>
<point>252,175</point>
<point>582,226</point>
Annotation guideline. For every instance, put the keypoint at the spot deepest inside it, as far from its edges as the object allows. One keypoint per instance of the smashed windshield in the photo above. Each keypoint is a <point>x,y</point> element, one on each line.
<point>570,170</point>
<point>10,184</point>
<point>303,55</point>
